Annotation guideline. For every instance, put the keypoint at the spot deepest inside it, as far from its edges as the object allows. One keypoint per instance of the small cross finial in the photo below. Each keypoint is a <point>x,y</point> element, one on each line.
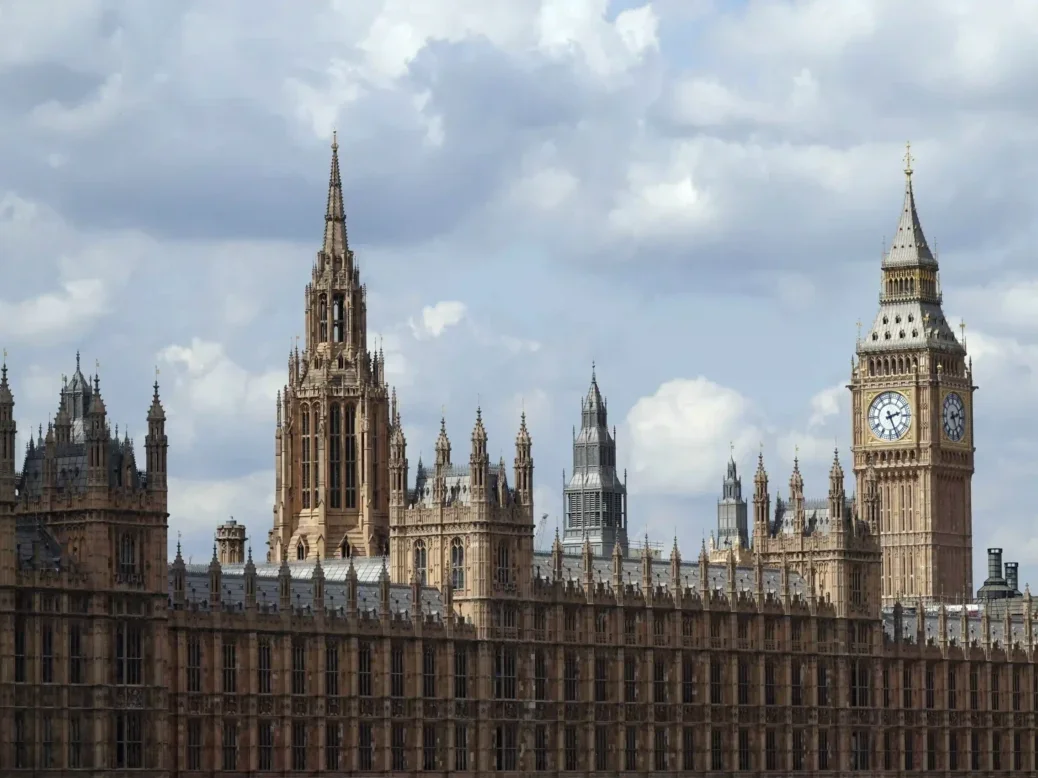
<point>731,448</point>
<point>908,159</point>
<point>962,330</point>
<point>859,329</point>
<point>97,365</point>
<point>335,139</point>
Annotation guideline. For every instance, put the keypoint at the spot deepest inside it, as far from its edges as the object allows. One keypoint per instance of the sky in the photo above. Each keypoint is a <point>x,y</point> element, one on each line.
<point>693,195</point>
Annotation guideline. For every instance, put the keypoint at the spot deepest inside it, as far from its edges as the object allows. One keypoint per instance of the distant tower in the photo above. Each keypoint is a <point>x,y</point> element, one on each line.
<point>230,543</point>
<point>732,529</point>
<point>595,499</point>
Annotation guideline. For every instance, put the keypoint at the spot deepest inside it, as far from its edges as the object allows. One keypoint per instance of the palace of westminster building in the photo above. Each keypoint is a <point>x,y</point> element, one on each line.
<point>404,623</point>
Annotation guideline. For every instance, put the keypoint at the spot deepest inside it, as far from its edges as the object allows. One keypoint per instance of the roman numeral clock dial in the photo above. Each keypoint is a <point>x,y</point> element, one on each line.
<point>890,416</point>
<point>953,417</point>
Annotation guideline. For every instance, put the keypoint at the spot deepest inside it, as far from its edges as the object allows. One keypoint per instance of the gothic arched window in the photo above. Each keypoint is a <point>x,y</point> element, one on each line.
<point>504,571</point>
<point>338,304</point>
<point>457,564</point>
<point>300,551</point>
<point>322,315</point>
<point>305,434</point>
<point>335,455</point>
<point>350,456</point>
<point>344,549</point>
<point>420,561</point>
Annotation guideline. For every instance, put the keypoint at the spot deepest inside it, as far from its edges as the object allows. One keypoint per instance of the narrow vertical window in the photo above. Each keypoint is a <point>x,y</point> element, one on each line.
<point>457,564</point>
<point>337,318</point>
<point>305,435</point>
<point>264,667</point>
<point>194,744</point>
<point>420,561</point>
<point>461,672</point>
<point>128,663</point>
<point>230,669</point>
<point>76,655</point>
<point>331,667</point>
<point>194,664</point>
<point>322,315</point>
<point>396,671</point>
<point>351,456</point>
<point>335,455</point>
<point>364,670</point>
<point>299,667</point>
<point>47,654</point>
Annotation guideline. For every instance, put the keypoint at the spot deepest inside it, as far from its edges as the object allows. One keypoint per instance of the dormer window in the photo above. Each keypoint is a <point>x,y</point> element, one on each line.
<point>300,551</point>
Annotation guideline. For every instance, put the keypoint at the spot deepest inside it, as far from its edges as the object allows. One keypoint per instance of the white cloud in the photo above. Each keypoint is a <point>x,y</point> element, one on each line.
<point>660,204</point>
<point>680,436</point>
<point>829,403</point>
<point>90,115</point>
<point>398,369</point>
<point>436,319</point>
<point>208,383</point>
<point>199,506</point>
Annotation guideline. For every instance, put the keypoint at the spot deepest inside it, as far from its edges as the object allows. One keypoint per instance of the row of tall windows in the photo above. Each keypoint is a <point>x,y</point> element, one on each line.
<point>342,456</point>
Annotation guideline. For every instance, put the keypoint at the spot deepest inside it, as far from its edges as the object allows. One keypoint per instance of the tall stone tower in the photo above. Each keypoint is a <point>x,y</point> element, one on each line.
<point>912,421</point>
<point>594,499</point>
<point>732,529</point>
<point>331,440</point>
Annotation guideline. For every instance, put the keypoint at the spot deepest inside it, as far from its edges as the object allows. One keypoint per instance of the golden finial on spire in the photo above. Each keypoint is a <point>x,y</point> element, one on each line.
<point>731,448</point>
<point>909,159</point>
<point>962,329</point>
<point>335,139</point>
<point>859,329</point>
<point>97,365</point>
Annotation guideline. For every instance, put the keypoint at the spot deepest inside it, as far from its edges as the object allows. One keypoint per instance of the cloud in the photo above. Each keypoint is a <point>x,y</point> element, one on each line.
<point>198,506</point>
<point>436,319</point>
<point>680,435</point>
<point>208,384</point>
<point>828,403</point>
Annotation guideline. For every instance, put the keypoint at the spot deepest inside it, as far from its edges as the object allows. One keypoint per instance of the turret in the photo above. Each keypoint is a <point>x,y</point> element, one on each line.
<point>384,603</point>
<point>796,497</point>
<point>284,584</point>
<point>761,505</point>
<point>397,460</point>
<point>97,441</point>
<point>523,464</point>
<point>8,429</point>
<point>250,582</point>
<point>588,563</point>
<point>443,463</point>
<point>618,568</point>
<point>317,586</point>
<point>556,557</point>
<point>155,444</point>
<point>479,466</point>
<point>675,567</point>
<point>647,568</point>
<point>215,579</point>
<point>837,496</point>
<point>179,579</point>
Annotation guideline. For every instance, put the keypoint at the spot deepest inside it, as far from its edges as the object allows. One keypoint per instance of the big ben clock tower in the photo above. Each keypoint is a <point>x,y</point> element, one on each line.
<point>912,418</point>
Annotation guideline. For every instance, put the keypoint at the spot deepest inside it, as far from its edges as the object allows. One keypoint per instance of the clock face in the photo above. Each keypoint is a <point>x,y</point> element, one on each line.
<point>890,416</point>
<point>953,417</point>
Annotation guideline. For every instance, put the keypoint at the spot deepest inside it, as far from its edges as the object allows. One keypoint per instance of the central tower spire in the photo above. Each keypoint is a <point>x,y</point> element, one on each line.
<point>331,450</point>
<point>336,243</point>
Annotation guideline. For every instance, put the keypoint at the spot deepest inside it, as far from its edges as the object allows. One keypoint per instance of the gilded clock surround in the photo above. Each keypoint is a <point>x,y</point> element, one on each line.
<point>911,435</point>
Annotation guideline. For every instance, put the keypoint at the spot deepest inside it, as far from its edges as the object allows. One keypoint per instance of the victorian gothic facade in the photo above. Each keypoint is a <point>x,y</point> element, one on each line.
<point>404,625</point>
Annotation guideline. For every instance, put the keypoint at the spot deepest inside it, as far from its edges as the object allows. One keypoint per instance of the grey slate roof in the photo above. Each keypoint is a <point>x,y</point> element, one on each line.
<point>816,516</point>
<point>368,569</point>
<point>458,482</point>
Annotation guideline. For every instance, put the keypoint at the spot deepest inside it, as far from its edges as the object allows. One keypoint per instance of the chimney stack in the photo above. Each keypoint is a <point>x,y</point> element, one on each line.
<point>994,564</point>
<point>1013,578</point>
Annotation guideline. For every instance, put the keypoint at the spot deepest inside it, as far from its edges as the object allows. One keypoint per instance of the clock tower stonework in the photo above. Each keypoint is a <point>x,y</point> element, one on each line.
<point>912,419</point>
